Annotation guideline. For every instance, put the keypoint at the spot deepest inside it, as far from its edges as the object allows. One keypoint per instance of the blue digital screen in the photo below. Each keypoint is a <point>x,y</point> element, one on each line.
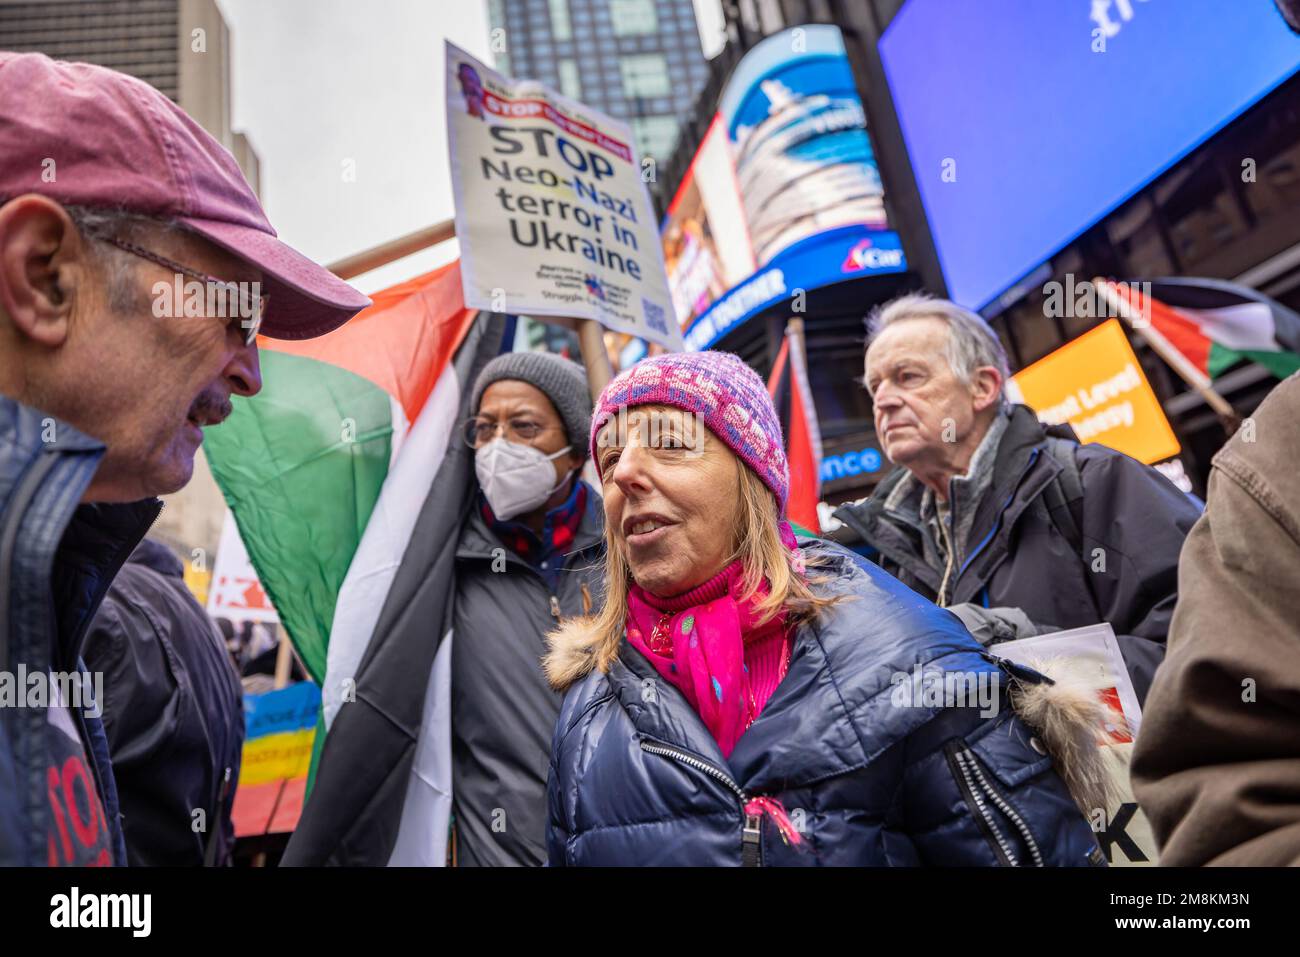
<point>806,177</point>
<point>1021,136</point>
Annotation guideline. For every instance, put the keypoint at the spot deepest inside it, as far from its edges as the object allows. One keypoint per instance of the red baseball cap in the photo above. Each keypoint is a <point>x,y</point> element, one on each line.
<point>105,139</point>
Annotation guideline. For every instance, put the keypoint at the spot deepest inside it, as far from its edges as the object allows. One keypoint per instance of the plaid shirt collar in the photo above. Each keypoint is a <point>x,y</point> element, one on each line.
<point>558,532</point>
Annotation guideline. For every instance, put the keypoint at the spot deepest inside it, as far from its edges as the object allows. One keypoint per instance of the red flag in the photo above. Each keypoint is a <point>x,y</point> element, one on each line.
<point>804,443</point>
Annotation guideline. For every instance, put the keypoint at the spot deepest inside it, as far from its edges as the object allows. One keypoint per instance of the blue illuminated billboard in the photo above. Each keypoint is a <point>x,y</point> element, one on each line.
<point>1026,121</point>
<point>783,193</point>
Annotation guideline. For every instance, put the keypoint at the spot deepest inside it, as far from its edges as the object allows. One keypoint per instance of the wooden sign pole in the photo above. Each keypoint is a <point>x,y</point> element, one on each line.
<point>591,334</point>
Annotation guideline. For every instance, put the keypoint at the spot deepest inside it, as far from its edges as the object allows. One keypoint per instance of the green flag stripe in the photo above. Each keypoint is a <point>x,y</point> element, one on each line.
<point>1280,363</point>
<point>301,465</point>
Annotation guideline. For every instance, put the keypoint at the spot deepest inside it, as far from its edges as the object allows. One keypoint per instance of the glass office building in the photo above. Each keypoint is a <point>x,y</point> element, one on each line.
<point>637,60</point>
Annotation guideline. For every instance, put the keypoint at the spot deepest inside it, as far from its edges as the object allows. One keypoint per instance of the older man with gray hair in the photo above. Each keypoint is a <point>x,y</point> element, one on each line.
<point>1011,524</point>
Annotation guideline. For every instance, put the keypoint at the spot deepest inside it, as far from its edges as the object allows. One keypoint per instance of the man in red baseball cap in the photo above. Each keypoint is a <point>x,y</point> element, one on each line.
<point>136,270</point>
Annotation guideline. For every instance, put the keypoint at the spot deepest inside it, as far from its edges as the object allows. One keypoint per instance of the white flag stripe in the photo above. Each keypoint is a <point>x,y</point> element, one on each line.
<point>1243,328</point>
<point>383,543</point>
<point>426,812</point>
<point>401,428</point>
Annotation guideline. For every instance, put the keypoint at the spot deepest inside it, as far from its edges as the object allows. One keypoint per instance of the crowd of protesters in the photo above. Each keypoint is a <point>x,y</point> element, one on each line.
<point>663,670</point>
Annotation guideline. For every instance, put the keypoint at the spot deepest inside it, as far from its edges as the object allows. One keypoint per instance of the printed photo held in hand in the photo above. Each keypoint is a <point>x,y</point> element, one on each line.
<point>1090,659</point>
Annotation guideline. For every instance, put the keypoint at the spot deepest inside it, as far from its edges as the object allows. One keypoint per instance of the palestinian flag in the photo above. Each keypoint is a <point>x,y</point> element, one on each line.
<point>1218,324</point>
<point>332,473</point>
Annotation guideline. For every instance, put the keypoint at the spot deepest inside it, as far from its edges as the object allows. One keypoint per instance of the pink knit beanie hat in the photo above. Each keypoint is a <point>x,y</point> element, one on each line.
<point>726,394</point>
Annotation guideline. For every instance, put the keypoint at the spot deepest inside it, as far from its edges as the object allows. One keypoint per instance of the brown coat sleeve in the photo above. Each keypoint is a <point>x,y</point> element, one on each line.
<point>1217,761</point>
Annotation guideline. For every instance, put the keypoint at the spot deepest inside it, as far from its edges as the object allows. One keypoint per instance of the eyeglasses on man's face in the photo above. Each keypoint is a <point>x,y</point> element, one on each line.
<point>479,431</point>
<point>251,309</point>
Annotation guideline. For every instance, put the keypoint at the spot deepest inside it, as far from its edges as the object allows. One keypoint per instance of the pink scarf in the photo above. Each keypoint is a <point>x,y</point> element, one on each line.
<point>697,642</point>
<point>708,629</point>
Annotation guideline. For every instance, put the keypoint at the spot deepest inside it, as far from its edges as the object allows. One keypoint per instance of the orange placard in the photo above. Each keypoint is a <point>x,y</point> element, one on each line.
<point>1096,384</point>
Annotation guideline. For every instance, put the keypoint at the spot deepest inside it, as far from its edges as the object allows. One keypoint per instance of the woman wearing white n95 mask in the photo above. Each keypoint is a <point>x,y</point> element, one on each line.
<point>524,563</point>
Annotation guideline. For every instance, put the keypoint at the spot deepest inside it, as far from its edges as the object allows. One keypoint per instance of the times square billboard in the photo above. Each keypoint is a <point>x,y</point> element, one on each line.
<point>783,193</point>
<point>1025,127</point>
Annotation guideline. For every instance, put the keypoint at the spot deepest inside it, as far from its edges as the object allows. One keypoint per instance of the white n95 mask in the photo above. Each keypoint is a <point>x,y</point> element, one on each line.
<point>516,478</point>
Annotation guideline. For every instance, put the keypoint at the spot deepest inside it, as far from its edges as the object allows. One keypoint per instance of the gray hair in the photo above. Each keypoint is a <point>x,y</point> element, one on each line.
<point>99,222</point>
<point>972,343</point>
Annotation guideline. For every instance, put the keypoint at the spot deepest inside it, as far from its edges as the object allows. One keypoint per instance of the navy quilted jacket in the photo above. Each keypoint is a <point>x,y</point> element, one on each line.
<point>868,776</point>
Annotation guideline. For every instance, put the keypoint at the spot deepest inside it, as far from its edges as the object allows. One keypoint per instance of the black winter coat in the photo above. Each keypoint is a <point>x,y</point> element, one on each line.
<point>636,778</point>
<point>503,711</point>
<point>173,712</point>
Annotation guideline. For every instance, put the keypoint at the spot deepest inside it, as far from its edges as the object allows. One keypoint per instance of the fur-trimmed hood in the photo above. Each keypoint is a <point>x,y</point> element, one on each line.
<point>1067,715</point>
<point>576,650</point>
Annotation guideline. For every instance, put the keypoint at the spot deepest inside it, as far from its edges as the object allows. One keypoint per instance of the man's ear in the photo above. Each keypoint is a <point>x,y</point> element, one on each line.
<point>40,250</point>
<point>987,387</point>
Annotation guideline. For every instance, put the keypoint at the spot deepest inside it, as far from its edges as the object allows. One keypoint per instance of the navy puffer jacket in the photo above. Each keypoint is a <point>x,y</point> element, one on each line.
<point>867,778</point>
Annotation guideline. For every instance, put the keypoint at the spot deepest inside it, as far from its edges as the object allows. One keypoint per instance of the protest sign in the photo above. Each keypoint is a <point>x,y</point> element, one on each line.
<point>279,732</point>
<point>1096,384</point>
<point>552,214</point>
<point>235,592</point>
<point>1092,654</point>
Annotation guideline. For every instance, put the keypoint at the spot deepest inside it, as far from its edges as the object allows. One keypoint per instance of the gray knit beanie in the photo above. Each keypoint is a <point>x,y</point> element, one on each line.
<point>562,380</point>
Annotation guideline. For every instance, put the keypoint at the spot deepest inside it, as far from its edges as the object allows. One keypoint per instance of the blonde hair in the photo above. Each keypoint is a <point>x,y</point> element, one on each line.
<point>763,557</point>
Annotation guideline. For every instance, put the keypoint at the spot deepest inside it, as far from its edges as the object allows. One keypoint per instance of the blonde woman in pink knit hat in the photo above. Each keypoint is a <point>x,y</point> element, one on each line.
<point>748,698</point>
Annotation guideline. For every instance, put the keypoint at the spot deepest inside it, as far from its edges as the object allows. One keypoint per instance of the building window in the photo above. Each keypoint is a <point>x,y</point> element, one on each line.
<point>1135,236</point>
<point>633,17</point>
<point>655,135</point>
<point>561,28</point>
<point>1203,215</point>
<point>570,86</point>
<point>645,74</point>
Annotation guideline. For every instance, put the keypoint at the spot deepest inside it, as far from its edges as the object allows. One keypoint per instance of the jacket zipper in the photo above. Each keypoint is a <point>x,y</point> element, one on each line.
<point>751,832</point>
<point>1005,807</point>
<point>907,561</point>
<point>998,523</point>
<point>210,847</point>
<point>22,497</point>
<point>975,800</point>
<point>553,601</point>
